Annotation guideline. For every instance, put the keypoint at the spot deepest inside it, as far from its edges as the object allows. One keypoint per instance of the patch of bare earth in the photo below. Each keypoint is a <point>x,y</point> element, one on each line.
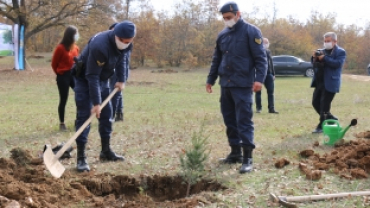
<point>357,77</point>
<point>24,180</point>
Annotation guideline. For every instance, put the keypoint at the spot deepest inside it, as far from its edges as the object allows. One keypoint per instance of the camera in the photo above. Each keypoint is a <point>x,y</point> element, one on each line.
<point>319,52</point>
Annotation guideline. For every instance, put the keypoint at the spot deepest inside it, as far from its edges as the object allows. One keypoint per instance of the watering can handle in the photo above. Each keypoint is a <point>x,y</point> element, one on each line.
<point>332,121</point>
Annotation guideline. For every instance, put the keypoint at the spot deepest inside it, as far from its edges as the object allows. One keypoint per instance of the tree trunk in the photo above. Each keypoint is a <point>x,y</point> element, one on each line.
<point>188,188</point>
<point>22,21</point>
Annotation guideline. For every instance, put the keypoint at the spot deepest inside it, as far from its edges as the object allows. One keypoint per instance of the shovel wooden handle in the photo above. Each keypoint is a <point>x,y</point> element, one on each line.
<point>84,125</point>
<point>323,196</point>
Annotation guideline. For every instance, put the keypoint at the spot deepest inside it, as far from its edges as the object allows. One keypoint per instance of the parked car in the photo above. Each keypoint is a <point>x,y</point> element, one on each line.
<point>291,65</point>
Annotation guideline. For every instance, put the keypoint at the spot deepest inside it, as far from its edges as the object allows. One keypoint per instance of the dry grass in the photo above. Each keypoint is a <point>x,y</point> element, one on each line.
<point>161,113</point>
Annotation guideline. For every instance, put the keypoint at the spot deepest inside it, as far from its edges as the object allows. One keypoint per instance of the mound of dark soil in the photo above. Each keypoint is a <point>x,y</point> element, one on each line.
<point>350,160</point>
<point>25,180</point>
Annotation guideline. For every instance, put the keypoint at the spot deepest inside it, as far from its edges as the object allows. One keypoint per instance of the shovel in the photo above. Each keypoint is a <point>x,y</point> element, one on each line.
<point>286,201</point>
<point>52,161</point>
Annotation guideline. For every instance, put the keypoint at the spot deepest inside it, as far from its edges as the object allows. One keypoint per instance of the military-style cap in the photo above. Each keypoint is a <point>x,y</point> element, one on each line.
<point>125,29</point>
<point>229,7</point>
<point>113,25</point>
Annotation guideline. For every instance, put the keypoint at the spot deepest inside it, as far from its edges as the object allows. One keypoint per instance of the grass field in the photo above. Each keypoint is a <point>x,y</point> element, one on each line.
<point>6,52</point>
<point>162,110</point>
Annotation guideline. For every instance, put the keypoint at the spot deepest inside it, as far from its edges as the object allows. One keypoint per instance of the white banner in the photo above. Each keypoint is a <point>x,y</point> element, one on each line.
<point>6,40</point>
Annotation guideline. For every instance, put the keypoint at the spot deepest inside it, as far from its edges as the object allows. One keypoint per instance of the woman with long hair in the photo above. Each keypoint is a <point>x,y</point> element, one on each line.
<point>61,63</point>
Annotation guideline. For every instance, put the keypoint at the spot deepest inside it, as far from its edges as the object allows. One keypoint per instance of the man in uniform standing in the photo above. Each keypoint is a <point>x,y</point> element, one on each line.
<point>103,54</point>
<point>239,60</point>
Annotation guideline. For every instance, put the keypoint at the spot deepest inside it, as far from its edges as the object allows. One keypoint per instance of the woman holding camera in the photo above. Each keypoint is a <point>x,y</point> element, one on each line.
<point>61,63</point>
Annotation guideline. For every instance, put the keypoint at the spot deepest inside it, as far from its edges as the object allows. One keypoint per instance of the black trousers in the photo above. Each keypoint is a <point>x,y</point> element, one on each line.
<point>64,81</point>
<point>321,102</point>
<point>269,85</point>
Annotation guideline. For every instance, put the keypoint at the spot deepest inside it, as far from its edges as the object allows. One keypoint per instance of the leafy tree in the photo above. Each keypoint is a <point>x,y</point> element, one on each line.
<point>145,44</point>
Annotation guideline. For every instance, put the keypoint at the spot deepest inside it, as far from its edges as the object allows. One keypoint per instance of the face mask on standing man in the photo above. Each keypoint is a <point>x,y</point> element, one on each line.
<point>230,23</point>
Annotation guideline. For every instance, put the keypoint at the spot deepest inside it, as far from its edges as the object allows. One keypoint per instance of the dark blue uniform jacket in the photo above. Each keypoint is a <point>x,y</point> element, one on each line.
<point>101,58</point>
<point>239,57</point>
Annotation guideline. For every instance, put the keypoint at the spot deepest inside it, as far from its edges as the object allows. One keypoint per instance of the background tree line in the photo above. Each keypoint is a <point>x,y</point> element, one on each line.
<point>184,36</point>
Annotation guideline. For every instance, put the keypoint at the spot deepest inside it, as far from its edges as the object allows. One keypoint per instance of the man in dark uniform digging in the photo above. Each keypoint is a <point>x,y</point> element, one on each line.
<point>103,54</point>
<point>239,60</point>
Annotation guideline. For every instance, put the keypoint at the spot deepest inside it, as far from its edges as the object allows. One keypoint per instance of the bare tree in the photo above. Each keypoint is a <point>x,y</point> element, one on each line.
<point>38,15</point>
<point>128,5</point>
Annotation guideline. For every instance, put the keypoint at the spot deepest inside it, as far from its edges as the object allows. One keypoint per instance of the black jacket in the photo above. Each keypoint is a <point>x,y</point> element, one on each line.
<point>270,64</point>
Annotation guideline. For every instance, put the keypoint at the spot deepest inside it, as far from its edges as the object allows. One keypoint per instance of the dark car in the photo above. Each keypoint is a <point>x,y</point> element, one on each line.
<point>291,65</point>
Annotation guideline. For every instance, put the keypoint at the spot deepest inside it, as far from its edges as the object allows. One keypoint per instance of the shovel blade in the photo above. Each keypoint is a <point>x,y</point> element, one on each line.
<point>52,163</point>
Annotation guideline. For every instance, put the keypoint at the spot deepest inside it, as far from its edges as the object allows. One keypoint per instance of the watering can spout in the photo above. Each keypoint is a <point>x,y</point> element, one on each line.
<point>343,131</point>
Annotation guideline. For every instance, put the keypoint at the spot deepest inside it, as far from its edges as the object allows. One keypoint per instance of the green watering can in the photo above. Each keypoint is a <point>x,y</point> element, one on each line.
<point>333,131</point>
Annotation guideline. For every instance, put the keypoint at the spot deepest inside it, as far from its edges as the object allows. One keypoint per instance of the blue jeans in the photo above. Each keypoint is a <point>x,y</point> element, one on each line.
<point>236,109</point>
<point>269,85</point>
<point>84,106</point>
<point>117,100</point>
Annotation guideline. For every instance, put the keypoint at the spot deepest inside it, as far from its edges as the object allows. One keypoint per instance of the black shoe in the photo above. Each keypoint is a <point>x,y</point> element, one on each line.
<point>232,159</point>
<point>247,166</point>
<point>273,111</point>
<point>258,111</point>
<point>62,127</point>
<point>110,156</point>
<point>317,130</point>
<point>66,154</point>
<point>329,116</point>
<point>119,117</point>
<point>235,156</point>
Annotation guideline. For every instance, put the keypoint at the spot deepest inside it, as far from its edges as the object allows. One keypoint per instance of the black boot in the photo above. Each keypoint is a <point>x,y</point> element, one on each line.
<point>119,117</point>
<point>107,153</point>
<point>81,159</point>
<point>235,156</point>
<point>247,165</point>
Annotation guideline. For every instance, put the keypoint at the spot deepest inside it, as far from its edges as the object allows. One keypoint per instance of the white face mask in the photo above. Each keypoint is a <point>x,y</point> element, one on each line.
<point>266,46</point>
<point>328,45</point>
<point>120,45</point>
<point>230,23</point>
<point>76,37</point>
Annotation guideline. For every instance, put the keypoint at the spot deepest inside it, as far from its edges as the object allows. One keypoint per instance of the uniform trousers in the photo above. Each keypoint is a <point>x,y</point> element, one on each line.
<point>84,106</point>
<point>236,109</point>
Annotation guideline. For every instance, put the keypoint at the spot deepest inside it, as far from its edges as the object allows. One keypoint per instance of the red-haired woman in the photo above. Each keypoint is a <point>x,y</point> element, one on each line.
<point>61,63</point>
